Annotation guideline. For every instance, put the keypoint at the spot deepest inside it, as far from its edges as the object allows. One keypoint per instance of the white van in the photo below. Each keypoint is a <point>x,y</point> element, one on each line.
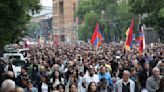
<point>18,62</point>
<point>18,56</point>
<point>21,51</point>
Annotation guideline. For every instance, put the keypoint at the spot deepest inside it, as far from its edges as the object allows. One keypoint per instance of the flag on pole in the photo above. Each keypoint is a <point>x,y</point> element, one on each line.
<point>138,40</point>
<point>129,36</point>
<point>141,40</point>
<point>96,39</point>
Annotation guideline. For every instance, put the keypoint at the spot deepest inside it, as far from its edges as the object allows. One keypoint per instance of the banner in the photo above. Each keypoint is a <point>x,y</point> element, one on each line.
<point>56,40</point>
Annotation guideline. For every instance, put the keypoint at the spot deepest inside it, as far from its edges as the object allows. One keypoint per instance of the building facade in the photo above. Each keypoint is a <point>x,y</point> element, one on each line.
<point>41,26</point>
<point>64,20</point>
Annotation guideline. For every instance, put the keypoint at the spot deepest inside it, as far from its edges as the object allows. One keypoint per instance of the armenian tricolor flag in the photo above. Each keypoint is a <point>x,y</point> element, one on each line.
<point>141,40</point>
<point>96,39</point>
<point>129,36</point>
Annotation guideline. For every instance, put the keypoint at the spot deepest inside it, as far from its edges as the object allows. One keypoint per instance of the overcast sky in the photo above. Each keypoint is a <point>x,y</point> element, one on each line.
<point>46,2</point>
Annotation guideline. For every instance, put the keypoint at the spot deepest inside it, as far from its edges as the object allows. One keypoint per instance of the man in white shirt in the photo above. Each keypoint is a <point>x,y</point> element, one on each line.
<point>125,84</point>
<point>90,77</point>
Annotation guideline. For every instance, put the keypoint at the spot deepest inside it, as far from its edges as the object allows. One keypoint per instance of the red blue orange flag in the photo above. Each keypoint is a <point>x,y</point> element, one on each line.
<point>96,39</point>
<point>129,36</point>
<point>138,40</point>
<point>141,40</point>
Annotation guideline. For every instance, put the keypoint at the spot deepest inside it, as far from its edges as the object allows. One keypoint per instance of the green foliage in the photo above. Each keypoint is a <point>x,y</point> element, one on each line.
<point>14,14</point>
<point>123,18</point>
<point>161,13</point>
<point>86,31</point>
<point>155,11</point>
<point>83,7</point>
<point>114,17</point>
<point>137,6</point>
<point>31,27</point>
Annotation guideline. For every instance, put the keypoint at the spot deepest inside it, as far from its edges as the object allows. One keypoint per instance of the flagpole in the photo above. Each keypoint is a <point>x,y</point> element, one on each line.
<point>96,39</point>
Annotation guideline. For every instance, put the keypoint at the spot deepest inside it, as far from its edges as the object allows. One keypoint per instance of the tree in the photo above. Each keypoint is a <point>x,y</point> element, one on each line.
<point>31,29</point>
<point>113,16</point>
<point>86,31</point>
<point>14,14</point>
<point>155,11</point>
<point>88,10</point>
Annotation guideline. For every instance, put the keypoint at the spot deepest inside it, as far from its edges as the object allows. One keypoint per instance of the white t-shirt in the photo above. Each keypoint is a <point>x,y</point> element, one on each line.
<point>87,78</point>
<point>44,87</point>
<point>57,82</point>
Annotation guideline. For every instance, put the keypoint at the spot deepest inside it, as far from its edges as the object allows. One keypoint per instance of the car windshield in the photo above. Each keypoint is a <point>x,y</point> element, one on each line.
<point>18,63</point>
<point>15,57</point>
<point>11,51</point>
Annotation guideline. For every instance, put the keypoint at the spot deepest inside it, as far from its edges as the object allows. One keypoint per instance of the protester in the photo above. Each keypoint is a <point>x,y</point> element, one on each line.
<point>115,79</point>
<point>161,85</point>
<point>19,79</point>
<point>11,67</point>
<point>24,82</point>
<point>30,87</point>
<point>106,75</point>
<point>9,75</point>
<point>125,84</point>
<point>144,74</point>
<point>19,89</point>
<point>33,71</point>
<point>2,70</point>
<point>90,77</point>
<point>92,87</point>
<point>134,77</point>
<point>160,65</point>
<point>8,86</point>
<point>86,69</point>
<point>103,86</point>
<point>73,88</point>
<point>57,79</point>
<point>152,83</point>
<point>44,85</point>
<point>60,88</point>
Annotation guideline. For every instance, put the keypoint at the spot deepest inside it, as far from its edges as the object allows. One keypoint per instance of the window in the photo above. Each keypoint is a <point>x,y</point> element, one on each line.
<point>61,8</point>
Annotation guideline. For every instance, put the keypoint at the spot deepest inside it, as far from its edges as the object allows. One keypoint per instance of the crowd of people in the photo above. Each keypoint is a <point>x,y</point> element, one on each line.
<point>84,68</point>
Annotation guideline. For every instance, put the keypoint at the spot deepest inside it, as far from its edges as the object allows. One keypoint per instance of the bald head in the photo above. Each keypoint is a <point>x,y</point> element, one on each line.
<point>8,86</point>
<point>10,74</point>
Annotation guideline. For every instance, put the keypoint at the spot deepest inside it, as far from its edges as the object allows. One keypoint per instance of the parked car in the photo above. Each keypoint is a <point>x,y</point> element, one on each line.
<point>17,60</point>
<point>18,56</point>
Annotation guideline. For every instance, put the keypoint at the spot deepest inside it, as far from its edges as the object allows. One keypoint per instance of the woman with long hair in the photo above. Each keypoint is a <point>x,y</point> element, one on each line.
<point>44,85</point>
<point>57,79</point>
<point>92,87</point>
